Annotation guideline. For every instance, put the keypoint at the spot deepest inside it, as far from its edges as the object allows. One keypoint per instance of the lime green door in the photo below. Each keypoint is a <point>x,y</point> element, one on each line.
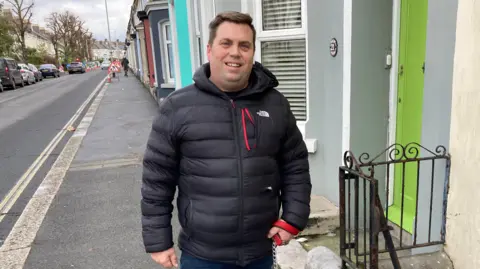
<point>413,34</point>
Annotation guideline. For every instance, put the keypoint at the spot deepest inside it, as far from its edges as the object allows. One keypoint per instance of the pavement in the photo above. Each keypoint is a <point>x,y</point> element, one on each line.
<point>93,218</point>
<point>30,118</point>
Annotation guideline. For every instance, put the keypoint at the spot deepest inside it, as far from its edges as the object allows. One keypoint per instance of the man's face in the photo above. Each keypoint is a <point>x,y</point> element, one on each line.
<point>231,56</point>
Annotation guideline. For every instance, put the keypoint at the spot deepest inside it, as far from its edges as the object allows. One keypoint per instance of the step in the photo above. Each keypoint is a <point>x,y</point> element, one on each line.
<point>324,217</point>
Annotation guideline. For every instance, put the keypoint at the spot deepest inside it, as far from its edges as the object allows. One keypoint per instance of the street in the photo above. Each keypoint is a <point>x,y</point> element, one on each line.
<point>81,209</point>
<point>31,117</point>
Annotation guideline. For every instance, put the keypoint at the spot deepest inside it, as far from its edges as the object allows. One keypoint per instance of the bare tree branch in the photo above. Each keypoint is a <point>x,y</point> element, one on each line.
<point>22,21</point>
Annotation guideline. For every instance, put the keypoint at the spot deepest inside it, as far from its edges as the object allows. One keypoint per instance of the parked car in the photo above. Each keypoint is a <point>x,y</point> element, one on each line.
<point>10,75</point>
<point>76,67</point>
<point>27,74</point>
<point>105,65</point>
<point>49,70</point>
<point>38,74</point>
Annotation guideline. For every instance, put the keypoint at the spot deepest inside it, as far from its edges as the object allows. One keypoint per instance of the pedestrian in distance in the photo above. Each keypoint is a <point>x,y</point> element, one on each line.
<point>231,145</point>
<point>125,63</point>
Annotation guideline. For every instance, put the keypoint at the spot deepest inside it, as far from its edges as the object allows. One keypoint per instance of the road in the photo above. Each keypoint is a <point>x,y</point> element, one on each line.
<point>30,118</point>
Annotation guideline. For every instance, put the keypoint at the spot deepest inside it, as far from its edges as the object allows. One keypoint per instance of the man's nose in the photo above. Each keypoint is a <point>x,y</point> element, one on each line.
<point>234,51</point>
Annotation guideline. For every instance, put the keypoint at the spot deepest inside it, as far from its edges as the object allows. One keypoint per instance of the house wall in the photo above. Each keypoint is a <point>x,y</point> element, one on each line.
<point>143,54</point>
<point>441,31</point>
<point>180,28</point>
<point>325,20</point>
<point>33,41</point>
<point>156,18</point>
<point>138,59</point>
<point>463,218</point>
<point>149,53</point>
<point>370,82</point>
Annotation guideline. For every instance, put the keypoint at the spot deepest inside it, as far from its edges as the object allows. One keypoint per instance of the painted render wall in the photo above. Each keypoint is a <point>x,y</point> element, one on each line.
<point>441,32</point>
<point>463,217</point>
<point>157,17</point>
<point>325,82</point>
<point>183,44</point>
<point>370,83</point>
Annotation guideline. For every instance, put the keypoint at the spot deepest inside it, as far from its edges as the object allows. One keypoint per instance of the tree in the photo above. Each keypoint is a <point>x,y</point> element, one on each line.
<point>69,32</point>
<point>54,25</point>
<point>6,39</point>
<point>23,13</point>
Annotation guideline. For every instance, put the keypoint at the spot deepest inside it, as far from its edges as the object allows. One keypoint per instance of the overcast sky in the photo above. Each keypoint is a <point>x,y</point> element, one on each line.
<point>90,11</point>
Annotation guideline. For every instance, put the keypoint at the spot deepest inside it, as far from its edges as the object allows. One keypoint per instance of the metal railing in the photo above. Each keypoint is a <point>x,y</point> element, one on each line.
<point>365,212</point>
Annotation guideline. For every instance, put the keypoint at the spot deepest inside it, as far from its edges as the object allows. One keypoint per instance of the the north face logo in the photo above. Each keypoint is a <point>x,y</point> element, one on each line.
<point>262,113</point>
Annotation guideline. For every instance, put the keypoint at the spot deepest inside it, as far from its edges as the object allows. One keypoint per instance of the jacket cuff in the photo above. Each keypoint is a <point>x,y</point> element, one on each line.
<point>157,240</point>
<point>158,247</point>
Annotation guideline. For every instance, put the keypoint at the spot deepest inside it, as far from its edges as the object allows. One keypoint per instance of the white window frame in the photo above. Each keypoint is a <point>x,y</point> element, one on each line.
<point>166,60</point>
<point>197,50</point>
<point>280,35</point>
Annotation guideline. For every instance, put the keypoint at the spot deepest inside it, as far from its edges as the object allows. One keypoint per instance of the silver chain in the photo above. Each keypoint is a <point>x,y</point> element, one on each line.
<point>274,255</point>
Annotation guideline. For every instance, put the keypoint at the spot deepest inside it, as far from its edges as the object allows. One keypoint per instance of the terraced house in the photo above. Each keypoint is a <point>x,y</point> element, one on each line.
<point>360,76</point>
<point>150,46</point>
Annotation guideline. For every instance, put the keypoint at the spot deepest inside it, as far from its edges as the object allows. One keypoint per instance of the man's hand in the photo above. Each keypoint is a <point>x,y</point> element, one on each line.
<point>166,258</point>
<point>284,235</point>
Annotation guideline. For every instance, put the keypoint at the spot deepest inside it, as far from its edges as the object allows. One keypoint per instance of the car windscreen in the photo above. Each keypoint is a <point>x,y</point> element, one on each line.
<point>76,64</point>
<point>45,66</point>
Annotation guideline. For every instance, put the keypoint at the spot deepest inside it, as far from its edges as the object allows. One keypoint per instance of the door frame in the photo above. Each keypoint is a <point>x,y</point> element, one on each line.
<point>392,100</point>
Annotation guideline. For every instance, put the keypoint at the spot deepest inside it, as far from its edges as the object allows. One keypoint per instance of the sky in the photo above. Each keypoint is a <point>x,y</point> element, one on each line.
<point>92,12</point>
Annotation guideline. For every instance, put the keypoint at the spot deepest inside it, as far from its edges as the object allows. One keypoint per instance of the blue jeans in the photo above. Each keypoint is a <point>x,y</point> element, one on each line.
<point>190,262</point>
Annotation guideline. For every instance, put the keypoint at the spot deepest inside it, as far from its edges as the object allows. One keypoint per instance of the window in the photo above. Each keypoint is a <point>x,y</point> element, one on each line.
<point>283,49</point>
<point>198,35</point>
<point>168,53</point>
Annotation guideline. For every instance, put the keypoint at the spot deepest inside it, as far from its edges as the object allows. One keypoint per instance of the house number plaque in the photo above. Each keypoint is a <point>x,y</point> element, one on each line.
<point>333,47</point>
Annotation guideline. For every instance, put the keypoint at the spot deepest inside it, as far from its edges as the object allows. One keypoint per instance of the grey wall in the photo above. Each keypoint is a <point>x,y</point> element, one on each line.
<point>441,30</point>
<point>155,17</point>
<point>228,5</point>
<point>370,80</point>
<point>325,79</point>
<point>134,41</point>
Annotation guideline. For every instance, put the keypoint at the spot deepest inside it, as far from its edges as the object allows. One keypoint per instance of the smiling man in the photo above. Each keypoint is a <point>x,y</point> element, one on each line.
<point>231,144</point>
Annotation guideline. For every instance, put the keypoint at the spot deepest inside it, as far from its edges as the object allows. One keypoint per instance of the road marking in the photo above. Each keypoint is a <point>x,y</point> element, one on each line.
<point>15,192</point>
<point>14,251</point>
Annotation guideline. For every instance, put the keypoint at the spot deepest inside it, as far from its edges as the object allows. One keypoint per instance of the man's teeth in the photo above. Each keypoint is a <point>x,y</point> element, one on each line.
<point>233,65</point>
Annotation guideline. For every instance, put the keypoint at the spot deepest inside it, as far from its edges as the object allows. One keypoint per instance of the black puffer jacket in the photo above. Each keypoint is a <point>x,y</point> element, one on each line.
<point>231,159</point>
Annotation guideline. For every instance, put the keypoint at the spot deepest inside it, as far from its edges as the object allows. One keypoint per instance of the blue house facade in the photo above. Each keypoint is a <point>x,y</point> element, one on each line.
<point>150,50</point>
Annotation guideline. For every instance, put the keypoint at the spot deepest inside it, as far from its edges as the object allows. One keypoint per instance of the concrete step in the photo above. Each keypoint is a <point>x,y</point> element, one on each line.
<point>324,217</point>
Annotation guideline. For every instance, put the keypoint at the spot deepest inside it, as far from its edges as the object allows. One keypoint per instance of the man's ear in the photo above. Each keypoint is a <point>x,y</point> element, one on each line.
<point>209,51</point>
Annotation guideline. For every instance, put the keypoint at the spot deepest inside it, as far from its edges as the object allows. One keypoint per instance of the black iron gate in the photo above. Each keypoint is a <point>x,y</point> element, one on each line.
<point>363,215</point>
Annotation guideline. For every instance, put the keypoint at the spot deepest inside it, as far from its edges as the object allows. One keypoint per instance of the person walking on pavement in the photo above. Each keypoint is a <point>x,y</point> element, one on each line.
<point>125,63</point>
<point>231,144</point>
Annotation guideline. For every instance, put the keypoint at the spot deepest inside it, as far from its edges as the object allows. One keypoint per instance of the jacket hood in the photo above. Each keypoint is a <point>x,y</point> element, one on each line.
<point>261,79</point>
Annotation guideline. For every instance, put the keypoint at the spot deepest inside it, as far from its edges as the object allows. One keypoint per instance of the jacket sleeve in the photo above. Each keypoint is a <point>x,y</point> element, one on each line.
<point>159,181</point>
<point>296,185</point>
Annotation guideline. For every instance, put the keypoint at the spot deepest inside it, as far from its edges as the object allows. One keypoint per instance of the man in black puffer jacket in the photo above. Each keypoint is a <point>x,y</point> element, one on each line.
<point>231,144</point>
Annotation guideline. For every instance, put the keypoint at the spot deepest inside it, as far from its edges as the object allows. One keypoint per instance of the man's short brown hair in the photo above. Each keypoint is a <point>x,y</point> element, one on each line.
<point>230,16</point>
